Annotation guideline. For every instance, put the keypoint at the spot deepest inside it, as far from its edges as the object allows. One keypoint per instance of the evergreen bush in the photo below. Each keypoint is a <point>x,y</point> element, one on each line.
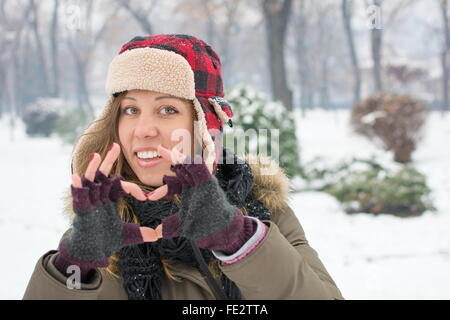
<point>364,186</point>
<point>40,117</point>
<point>253,111</point>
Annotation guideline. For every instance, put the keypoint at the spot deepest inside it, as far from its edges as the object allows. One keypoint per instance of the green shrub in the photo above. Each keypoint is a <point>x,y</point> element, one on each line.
<point>71,125</point>
<point>375,189</point>
<point>253,111</point>
<point>40,117</point>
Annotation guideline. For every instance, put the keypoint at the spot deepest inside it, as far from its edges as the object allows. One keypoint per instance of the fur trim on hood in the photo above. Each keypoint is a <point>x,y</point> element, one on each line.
<point>270,183</point>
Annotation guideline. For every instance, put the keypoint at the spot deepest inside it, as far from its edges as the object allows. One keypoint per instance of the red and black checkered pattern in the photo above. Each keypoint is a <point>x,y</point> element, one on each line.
<point>204,62</point>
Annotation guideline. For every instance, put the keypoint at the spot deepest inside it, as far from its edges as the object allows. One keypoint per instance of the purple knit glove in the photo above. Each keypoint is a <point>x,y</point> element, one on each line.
<point>205,215</point>
<point>188,175</point>
<point>97,232</point>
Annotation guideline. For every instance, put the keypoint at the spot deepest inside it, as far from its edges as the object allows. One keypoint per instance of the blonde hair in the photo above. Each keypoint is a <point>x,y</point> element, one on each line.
<point>106,134</point>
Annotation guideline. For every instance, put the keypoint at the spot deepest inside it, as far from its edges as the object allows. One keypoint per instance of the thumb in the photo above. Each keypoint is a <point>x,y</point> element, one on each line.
<point>170,226</point>
<point>131,234</point>
<point>149,234</point>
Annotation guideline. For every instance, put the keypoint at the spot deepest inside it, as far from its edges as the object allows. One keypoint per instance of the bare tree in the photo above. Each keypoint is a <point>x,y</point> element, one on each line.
<point>376,49</point>
<point>347,6</point>
<point>13,27</point>
<point>221,24</point>
<point>140,13</point>
<point>403,76</point>
<point>82,46</point>
<point>277,13</point>
<point>445,56</point>
<point>34,23</point>
<point>3,41</point>
<point>376,35</point>
<point>217,33</point>
<point>300,25</point>
<point>11,37</point>
<point>54,50</point>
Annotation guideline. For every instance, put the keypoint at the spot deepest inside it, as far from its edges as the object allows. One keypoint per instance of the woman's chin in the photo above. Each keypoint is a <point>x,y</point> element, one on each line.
<point>152,177</point>
<point>152,181</point>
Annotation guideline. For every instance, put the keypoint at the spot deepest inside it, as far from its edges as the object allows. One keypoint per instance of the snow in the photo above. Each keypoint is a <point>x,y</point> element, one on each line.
<point>370,118</point>
<point>369,257</point>
<point>382,257</point>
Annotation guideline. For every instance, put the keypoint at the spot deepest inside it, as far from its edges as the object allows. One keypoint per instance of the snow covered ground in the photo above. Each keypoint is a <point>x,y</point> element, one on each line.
<point>382,257</point>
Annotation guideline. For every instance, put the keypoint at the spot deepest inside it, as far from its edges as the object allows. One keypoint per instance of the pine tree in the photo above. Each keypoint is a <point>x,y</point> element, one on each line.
<point>252,110</point>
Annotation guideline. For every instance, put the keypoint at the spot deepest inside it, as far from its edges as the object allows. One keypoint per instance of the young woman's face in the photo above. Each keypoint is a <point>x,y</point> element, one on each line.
<point>148,119</point>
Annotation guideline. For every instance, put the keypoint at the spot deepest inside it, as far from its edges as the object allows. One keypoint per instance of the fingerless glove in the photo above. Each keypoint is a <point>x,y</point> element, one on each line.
<point>97,232</point>
<point>205,214</point>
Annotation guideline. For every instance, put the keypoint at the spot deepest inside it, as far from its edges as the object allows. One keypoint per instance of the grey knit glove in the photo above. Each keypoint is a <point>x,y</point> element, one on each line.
<point>98,232</point>
<point>205,214</point>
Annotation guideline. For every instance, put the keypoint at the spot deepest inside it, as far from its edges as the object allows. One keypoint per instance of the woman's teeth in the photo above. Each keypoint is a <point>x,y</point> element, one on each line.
<point>148,155</point>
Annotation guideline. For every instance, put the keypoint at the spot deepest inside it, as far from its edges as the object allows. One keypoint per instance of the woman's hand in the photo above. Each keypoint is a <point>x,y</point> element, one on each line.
<point>205,214</point>
<point>105,168</point>
<point>98,232</point>
<point>174,184</point>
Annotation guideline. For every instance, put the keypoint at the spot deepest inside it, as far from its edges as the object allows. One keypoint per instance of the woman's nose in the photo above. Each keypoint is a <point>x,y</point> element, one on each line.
<point>145,128</point>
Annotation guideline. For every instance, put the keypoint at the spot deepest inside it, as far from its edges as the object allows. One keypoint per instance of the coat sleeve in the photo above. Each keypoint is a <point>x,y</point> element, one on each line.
<point>283,266</point>
<point>48,283</point>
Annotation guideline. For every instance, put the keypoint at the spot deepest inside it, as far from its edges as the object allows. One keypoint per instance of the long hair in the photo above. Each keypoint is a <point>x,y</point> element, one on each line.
<point>105,135</point>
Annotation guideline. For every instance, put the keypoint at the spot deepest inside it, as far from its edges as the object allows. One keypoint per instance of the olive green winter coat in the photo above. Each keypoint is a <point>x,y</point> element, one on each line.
<point>282,266</point>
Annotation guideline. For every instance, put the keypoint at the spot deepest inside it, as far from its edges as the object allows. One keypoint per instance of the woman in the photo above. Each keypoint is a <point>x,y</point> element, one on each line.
<point>212,227</point>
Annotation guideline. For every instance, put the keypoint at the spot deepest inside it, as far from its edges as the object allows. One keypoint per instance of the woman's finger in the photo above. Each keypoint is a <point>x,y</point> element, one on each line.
<point>166,154</point>
<point>158,193</point>
<point>110,158</point>
<point>76,181</point>
<point>148,234</point>
<point>92,167</point>
<point>159,231</point>
<point>134,190</point>
<point>174,156</point>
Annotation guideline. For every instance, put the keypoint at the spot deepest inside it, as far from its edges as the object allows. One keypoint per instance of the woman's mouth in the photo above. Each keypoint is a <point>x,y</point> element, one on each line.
<point>147,159</point>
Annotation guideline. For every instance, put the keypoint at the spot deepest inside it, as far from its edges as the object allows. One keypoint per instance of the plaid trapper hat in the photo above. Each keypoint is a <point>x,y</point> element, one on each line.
<point>175,64</point>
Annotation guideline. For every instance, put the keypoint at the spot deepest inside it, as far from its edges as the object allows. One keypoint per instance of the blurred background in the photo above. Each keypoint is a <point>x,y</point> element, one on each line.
<point>358,90</point>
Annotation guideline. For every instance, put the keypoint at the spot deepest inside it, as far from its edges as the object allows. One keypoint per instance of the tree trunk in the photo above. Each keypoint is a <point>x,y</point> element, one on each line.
<point>376,46</point>
<point>403,153</point>
<point>347,16</point>
<point>84,101</point>
<point>54,50</point>
<point>220,36</point>
<point>277,14</point>
<point>210,27</point>
<point>445,56</point>
<point>40,48</point>
<point>323,95</point>
<point>2,91</point>
<point>301,26</point>
<point>142,19</point>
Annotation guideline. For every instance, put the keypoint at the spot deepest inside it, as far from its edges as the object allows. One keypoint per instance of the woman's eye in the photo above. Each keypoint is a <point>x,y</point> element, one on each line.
<point>126,109</point>
<point>168,110</point>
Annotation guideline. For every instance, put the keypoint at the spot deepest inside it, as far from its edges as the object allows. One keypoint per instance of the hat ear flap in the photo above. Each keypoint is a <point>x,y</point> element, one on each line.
<point>223,109</point>
<point>205,136</point>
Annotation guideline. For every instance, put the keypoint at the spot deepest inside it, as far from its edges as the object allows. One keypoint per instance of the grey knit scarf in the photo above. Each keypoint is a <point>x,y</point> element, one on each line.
<point>141,265</point>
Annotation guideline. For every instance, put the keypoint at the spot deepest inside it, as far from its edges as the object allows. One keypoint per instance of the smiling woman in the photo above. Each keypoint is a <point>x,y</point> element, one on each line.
<point>213,227</point>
